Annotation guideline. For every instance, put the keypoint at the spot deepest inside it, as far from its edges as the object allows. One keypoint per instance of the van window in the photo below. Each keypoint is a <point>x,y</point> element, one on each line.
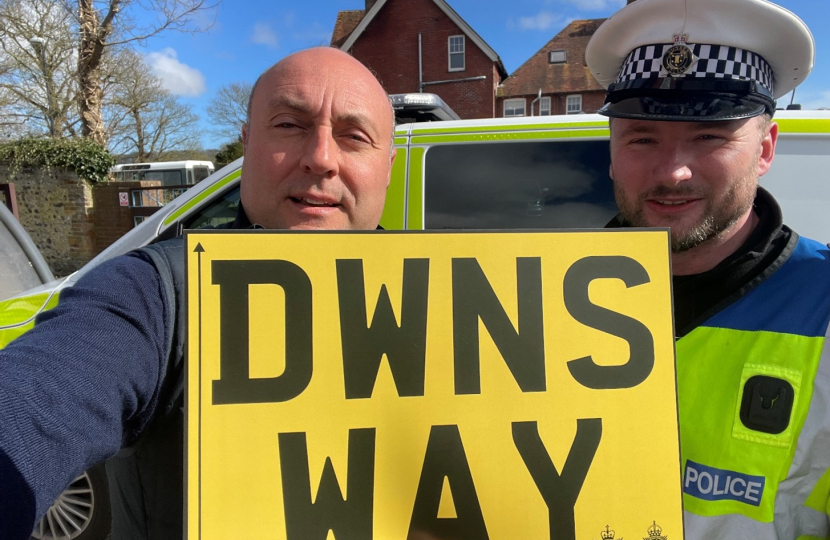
<point>221,211</point>
<point>167,178</point>
<point>518,185</point>
<point>200,173</point>
<point>16,271</point>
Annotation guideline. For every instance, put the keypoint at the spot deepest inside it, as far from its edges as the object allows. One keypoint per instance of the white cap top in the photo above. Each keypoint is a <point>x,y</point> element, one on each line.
<point>754,26</point>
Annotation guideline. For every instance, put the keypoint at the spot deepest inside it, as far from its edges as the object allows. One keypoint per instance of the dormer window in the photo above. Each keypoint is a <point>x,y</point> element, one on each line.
<point>558,57</point>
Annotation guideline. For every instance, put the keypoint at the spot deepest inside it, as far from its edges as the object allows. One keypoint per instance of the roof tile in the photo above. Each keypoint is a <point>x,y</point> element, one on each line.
<point>571,77</point>
<point>346,22</point>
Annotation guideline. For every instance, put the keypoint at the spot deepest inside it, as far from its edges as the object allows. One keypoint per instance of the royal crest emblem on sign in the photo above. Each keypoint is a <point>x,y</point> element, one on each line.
<point>678,58</point>
<point>655,532</point>
<point>608,534</point>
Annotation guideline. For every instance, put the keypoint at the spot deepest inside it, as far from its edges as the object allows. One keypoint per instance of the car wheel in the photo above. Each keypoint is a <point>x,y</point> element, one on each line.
<point>82,512</point>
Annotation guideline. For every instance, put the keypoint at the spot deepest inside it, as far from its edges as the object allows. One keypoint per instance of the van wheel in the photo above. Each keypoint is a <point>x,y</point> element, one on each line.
<point>82,511</point>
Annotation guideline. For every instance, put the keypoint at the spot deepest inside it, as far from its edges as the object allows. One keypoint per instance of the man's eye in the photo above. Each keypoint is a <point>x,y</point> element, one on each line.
<point>642,141</point>
<point>357,137</point>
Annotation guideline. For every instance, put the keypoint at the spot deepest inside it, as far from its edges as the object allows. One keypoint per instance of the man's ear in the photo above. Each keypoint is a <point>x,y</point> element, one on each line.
<point>244,137</point>
<point>392,156</point>
<point>767,153</point>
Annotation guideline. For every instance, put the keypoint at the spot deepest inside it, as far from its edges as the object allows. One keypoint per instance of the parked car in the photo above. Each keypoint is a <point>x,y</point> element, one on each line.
<point>504,173</point>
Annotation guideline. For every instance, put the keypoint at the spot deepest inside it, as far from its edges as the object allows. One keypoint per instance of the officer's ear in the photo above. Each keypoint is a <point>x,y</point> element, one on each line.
<point>769,138</point>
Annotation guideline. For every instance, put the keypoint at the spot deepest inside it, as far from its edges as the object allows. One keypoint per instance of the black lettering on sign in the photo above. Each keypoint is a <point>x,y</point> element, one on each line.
<point>234,384</point>
<point>350,517</point>
<point>560,491</point>
<point>364,345</point>
<point>445,458</point>
<point>523,350</point>
<point>640,341</point>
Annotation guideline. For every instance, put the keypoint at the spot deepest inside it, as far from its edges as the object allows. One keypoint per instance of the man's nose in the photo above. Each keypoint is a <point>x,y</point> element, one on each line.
<point>674,165</point>
<point>320,156</point>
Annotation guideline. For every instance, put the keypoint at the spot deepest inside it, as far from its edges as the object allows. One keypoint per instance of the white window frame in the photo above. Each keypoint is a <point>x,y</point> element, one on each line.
<point>564,54</point>
<point>571,110</point>
<point>451,52</point>
<point>515,102</point>
<point>544,106</point>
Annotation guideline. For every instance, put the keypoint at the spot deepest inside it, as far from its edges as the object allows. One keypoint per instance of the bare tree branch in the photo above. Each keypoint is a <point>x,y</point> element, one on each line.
<point>228,108</point>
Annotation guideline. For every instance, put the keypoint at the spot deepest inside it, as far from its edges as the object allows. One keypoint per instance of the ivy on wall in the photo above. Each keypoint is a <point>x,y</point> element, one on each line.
<point>88,160</point>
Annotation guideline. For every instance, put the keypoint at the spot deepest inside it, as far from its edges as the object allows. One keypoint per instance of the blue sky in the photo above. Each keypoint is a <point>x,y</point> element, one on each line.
<point>250,35</point>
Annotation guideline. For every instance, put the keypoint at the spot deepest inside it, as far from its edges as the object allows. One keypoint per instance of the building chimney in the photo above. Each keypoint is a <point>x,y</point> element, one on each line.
<point>371,3</point>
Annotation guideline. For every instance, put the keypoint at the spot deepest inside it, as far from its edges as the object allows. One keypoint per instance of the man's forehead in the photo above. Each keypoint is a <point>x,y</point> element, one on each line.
<point>311,87</point>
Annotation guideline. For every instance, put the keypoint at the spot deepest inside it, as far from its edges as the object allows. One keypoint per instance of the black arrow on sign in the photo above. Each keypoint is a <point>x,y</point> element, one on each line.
<point>199,249</point>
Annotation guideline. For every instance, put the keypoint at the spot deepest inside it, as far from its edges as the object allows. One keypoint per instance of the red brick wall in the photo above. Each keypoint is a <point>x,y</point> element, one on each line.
<point>111,219</point>
<point>389,47</point>
<point>591,102</point>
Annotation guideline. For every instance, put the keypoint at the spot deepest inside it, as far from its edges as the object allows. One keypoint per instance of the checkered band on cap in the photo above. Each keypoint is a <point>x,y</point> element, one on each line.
<point>717,61</point>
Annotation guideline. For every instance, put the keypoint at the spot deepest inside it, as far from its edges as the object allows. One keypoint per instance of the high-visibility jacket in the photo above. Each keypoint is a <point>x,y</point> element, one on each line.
<point>754,405</point>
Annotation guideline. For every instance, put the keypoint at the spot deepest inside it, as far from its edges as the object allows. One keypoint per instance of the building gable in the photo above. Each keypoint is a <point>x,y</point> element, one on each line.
<point>370,14</point>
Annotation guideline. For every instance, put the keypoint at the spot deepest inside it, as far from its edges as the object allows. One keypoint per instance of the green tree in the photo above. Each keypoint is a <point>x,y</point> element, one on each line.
<point>228,153</point>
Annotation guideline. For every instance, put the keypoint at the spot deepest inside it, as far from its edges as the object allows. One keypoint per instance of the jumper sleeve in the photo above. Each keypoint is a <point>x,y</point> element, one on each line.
<point>80,385</point>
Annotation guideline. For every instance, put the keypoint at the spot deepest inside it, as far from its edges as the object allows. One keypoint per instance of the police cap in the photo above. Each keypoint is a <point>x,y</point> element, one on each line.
<point>695,60</point>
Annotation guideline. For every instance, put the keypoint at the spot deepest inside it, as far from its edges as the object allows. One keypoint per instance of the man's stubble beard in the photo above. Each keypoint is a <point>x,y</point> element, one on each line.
<point>737,200</point>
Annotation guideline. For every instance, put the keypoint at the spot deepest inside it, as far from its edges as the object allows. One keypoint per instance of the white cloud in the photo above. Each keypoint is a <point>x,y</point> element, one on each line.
<point>180,79</point>
<point>597,5</point>
<point>265,35</point>
<point>542,21</point>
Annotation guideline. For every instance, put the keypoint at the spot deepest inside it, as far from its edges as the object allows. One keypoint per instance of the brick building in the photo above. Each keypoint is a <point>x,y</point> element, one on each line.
<point>558,69</point>
<point>423,45</point>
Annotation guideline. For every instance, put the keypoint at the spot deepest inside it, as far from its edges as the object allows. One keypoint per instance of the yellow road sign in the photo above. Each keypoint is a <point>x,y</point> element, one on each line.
<point>431,385</point>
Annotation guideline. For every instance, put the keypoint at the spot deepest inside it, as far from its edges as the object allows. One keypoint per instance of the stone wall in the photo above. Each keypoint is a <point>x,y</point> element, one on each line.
<point>55,208</point>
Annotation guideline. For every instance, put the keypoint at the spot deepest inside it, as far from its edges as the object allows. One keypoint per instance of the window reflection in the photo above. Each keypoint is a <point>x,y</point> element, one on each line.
<point>521,185</point>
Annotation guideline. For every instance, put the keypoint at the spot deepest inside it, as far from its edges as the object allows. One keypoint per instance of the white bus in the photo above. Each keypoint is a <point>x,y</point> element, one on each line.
<point>169,173</point>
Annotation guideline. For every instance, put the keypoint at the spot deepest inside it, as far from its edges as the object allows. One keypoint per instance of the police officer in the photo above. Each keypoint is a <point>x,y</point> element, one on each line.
<point>691,90</point>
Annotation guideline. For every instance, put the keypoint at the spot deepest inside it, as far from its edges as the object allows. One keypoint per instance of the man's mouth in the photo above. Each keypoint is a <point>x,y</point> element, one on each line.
<point>312,202</point>
<point>672,203</point>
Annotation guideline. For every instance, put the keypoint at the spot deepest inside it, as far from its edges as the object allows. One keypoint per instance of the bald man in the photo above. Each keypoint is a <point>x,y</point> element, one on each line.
<point>103,371</point>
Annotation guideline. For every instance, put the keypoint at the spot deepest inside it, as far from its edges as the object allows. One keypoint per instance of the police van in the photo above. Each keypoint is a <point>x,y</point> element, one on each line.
<point>503,173</point>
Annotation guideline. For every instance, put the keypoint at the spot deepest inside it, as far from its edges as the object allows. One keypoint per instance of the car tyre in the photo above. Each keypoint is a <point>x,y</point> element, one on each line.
<point>82,511</point>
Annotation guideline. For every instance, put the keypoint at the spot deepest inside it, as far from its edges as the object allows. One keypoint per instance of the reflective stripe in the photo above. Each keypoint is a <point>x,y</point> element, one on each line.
<point>202,196</point>
<point>17,315</point>
<point>819,499</point>
<point>417,130</point>
<point>803,125</point>
<point>393,210</point>
<point>737,526</point>
<point>586,134</point>
<point>415,199</point>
